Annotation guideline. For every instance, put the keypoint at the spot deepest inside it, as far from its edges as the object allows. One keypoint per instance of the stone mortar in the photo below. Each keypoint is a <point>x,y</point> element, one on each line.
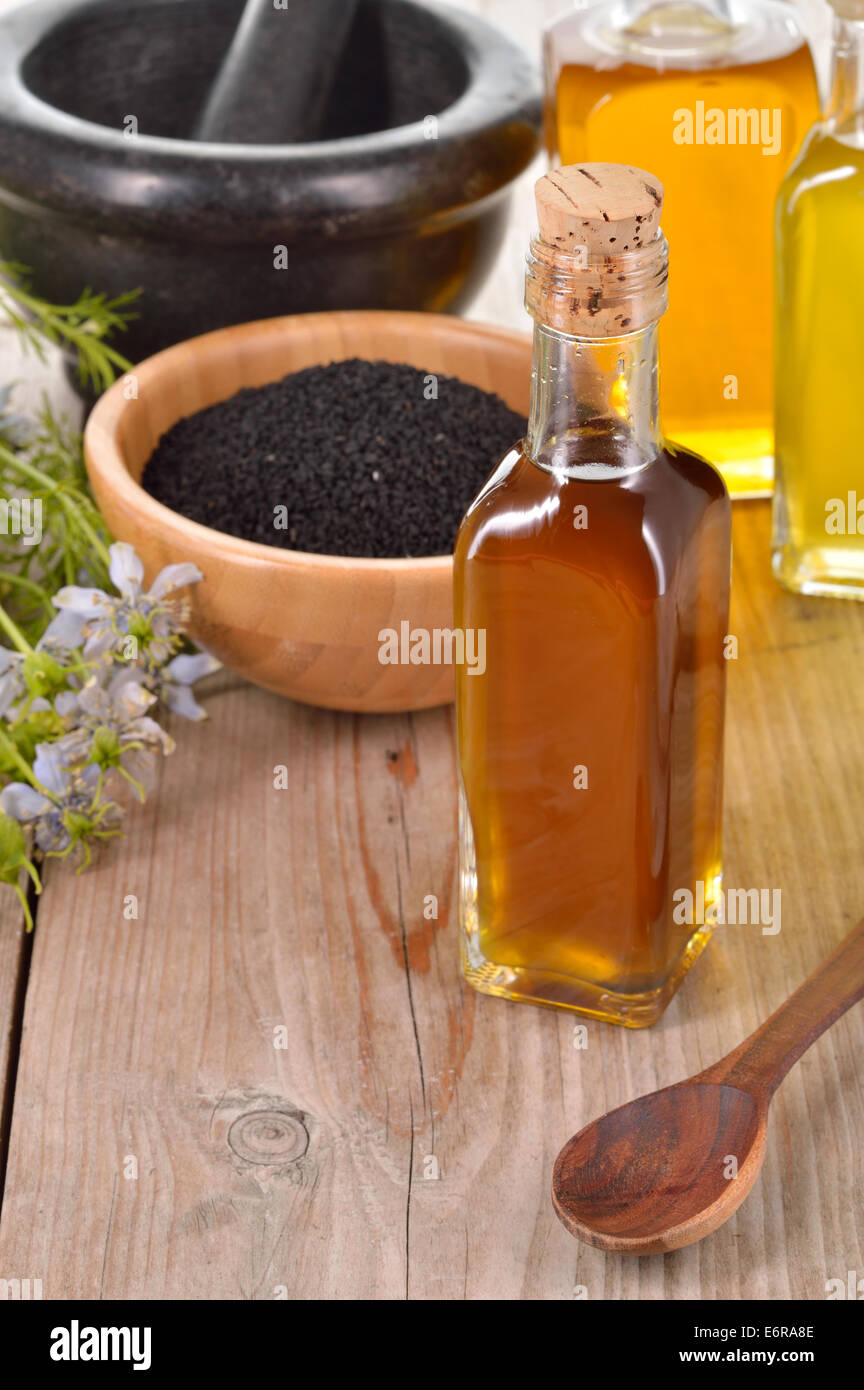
<point>404,217</point>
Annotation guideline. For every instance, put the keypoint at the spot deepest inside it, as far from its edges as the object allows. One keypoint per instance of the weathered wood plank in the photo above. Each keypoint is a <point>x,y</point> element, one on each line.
<point>304,910</point>
<point>14,959</point>
<point>258,908</point>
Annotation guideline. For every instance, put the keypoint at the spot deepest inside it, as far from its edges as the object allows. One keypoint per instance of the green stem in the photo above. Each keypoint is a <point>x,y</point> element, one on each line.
<point>21,763</point>
<point>25,906</point>
<point>96,540</point>
<point>13,632</point>
<point>33,873</point>
<point>30,585</point>
<point>28,470</point>
<point>84,325</point>
<point>35,475</point>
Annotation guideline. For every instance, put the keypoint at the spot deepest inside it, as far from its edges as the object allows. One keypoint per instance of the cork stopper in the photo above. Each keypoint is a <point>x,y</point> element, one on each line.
<point>598,267</point>
<point>848,9</point>
<point>608,208</point>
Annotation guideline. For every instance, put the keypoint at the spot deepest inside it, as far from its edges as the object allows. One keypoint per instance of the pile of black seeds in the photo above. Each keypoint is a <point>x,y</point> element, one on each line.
<point>355,458</point>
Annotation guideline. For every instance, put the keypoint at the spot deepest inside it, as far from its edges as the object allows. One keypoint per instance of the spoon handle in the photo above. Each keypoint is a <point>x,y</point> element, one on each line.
<point>761,1062</point>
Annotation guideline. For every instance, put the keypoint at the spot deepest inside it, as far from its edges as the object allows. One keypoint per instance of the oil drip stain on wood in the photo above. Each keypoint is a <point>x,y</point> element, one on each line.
<point>402,764</point>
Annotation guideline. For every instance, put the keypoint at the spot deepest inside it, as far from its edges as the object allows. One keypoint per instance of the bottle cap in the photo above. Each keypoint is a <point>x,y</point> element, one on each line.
<point>608,208</point>
<point>599,266</point>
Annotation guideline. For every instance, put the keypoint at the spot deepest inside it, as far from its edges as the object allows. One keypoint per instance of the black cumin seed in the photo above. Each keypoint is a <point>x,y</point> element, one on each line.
<point>362,462</point>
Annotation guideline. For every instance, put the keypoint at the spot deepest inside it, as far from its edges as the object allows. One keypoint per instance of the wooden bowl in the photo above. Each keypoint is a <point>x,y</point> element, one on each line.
<point>303,625</point>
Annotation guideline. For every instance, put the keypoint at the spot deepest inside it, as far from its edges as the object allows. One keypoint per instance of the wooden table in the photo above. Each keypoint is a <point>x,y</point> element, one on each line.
<point>273,1083</point>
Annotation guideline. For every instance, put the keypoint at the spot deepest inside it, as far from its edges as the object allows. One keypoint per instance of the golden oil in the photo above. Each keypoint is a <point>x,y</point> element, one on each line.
<point>595,561</point>
<point>716,100</point>
<point>818,543</point>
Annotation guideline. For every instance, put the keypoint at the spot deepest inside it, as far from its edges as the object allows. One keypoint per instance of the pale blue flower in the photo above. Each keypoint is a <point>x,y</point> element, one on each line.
<point>171,683</point>
<point>109,686</point>
<point>64,633</point>
<point>12,686</point>
<point>121,709</point>
<point>108,620</point>
<point>67,811</point>
<point>176,678</point>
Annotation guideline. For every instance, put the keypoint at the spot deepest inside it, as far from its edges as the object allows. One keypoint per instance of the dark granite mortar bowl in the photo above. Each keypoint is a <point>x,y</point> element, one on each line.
<point>386,216</point>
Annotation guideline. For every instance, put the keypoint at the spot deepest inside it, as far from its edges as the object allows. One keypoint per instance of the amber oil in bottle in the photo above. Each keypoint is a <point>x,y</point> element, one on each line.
<point>715,96</point>
<point>596,560</point>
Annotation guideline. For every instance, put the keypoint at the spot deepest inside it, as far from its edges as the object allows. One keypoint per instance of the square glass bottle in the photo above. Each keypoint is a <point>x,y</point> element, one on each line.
<point>715,96</point>
<point>818,536</point>
<point>597,561</point>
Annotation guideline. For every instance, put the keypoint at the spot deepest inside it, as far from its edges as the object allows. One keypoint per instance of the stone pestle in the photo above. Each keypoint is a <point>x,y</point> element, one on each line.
<point>278,73</point>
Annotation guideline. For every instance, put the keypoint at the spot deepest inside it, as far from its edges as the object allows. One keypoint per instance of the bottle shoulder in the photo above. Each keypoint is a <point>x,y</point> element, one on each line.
<point>830,162</point>
<point>672,467</point>
<point>528,510</point>
<point>698,471</point>
<point>690,35</point>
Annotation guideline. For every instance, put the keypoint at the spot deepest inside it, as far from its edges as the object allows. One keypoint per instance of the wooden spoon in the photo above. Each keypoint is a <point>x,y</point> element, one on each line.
<point>656,1174</point>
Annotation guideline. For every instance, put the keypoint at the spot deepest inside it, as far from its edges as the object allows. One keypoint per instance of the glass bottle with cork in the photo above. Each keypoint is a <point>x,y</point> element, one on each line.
<point>596,560</point>
<point>716,96</point>
<point>818,533</point>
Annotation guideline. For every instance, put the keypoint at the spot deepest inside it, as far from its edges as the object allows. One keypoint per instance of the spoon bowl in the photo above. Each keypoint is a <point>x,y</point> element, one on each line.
<point>662,1171</point>
<point>669,1168</point>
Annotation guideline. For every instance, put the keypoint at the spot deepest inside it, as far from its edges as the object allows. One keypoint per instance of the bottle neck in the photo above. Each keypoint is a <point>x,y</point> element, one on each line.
<point>846,102</point>
<point>676,29</point>
<point>675,15</point>
<point>594,402</point>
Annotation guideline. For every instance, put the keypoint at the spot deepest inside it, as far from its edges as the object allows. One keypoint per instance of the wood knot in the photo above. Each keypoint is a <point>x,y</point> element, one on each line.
<point>269,1137</point>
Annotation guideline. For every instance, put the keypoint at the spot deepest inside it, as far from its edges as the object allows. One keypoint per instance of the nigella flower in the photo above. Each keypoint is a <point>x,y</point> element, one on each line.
<point>43,670</point>
<point>66,810</point>
<point>64,634</point>
<point>12,686</point>
<point>176,678</point>
<point>112,730</point>
<point>61,636</point>
<point>153,618</point>
<point>171,683</point>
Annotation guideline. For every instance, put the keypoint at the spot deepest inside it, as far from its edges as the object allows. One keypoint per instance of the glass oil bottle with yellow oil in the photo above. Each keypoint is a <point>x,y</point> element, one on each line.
<point>818,540</point>
<point>715,97</point>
